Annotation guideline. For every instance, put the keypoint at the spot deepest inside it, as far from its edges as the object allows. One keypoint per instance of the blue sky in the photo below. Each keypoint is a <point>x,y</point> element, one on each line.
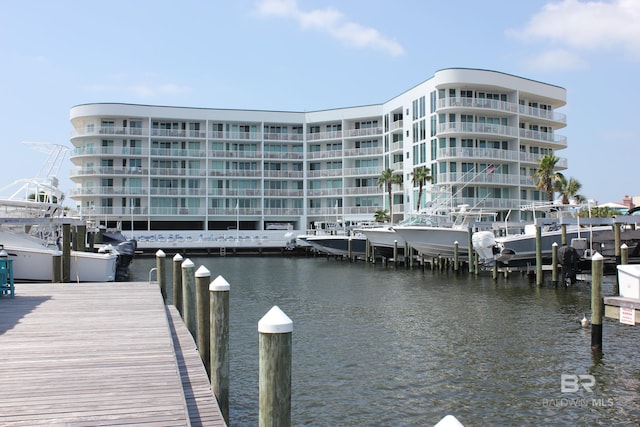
<point>311,55</point>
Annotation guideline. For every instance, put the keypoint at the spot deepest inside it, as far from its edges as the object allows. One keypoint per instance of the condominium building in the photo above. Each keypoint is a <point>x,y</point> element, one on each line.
<point>481,133</point>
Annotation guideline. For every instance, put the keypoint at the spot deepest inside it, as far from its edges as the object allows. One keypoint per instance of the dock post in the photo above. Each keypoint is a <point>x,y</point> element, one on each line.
<point>161,258</point>
<point>476,261</point>
<point>350,251</point>
<point>66,253</point>
<point>616,236</point>
<point>203,314</point>
<point>219,343</point>
<point>373,255</point>
<point>177,284</point>
<point>81,237</point>
<point>395,253</point>
<point>456,255</point>
<point>539,278</point>
<point>624,254</point>
<point>563,230</point>
<point>597,302</point>
<point>367,250</point>
<point>189,297</point>
<point>275,331</point>
<point>57,267</point>
<point>470,246</point>
<point>554,263</point>
<point>494,271</point>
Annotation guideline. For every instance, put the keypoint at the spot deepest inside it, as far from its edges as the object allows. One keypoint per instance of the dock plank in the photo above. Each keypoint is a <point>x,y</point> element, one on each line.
<point>97,354</point>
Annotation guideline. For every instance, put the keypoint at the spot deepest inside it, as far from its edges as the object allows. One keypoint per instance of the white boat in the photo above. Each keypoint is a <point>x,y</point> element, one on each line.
<point>33,261</point>
<point>435,233</point>
<point>338,244</point>
<point>520,249</point>
<point>31,215</point>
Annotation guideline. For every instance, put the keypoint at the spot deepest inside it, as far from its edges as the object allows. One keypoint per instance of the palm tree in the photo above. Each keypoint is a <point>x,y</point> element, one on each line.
<point>388,178</point>
<point>568,189</point>
<point>381,216</point>
<point>546,176</point>
<point>420,176</point>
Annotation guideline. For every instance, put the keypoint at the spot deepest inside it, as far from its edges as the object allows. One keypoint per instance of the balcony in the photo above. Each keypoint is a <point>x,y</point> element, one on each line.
<point>362,152</point>
<point>362,191</point>
<point>324,135</point>
<point>353,133</point>
<point>478,153</point>
<point>336,154</point>
<point>501,106</point>
<point>324,173</point>
<point>320,192</point>
<point>484,178</point>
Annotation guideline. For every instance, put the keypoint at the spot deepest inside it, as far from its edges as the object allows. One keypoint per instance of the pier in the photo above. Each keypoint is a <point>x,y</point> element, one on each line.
<point>99,354</point>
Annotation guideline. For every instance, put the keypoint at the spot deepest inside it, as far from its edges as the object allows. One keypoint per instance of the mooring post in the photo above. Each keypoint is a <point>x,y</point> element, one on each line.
<point>81,231</point>
<point>616,238</point>
<point>470,246</point>
<point>66,253</point>
<point>275,331</point>
<point>395,253</point>
<point>203,314</point>
<point>367,250</point>
<point>554,263</point>
<point>456,255</point>
<point>597,302</point>
<point>57,267</point>
<point>177,284</point>
<point>563,230</point>
<point>219,343</point>
<point>624,254</point>
<point>161,259</point>
<point>539,278</point>
<point>350,250</point>
<point>494,270</point>
<point>189,297</point>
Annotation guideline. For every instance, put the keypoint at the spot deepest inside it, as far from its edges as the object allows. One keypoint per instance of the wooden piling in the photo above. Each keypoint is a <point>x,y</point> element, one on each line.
<point>66,253</point>
<point>219,343</point>
<point>81,237</point>
<point>470,246</point>
<point>350,250</point>
<point>597,301</point>
<point>177,284</point>
<point>539,277</point>
<point>624,254</point>
<point>563,230</point>
<point>161,259</point>
<point>456,255</point>
<point>395,253</point>
<point>554,263</point>
<point>203,315</point>
<point>274,390</point>
<point>57,267</point>
<point>616,237</point>
<point>189,297</point>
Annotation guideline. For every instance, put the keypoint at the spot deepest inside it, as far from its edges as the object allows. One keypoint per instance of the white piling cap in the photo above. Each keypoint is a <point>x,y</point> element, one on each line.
<point>160,254</point>
<point>187,263</point>
<point>624,246</point>
<point>219,284</point>
<point>597,257</point>
<point>275,322</point>
<point>554,244</point>
<point>449,421</point>
<point>177,257</point>
<point>202,271</point>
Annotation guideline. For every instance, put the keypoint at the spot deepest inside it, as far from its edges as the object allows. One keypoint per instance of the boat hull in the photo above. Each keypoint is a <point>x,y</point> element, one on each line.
<point>436,241</point>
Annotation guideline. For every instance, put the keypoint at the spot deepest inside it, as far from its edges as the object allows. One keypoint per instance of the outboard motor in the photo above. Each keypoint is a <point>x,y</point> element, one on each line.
<point>484,243</point>
<point>126,251</point>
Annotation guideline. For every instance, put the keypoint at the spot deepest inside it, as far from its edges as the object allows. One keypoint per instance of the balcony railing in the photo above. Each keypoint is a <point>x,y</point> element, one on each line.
<point>478,153</point>
<point>502,106</point>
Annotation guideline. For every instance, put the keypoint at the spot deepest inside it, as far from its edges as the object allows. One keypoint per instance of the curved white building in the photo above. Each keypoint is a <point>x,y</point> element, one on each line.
<point>480,132</point>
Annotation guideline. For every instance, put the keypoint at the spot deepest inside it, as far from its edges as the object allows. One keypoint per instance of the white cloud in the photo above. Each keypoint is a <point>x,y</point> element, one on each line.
<point>333,22</point>
<point>586,26</point>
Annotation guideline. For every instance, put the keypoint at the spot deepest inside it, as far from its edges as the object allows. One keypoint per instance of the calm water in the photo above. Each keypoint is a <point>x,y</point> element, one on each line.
<point>374,346</point>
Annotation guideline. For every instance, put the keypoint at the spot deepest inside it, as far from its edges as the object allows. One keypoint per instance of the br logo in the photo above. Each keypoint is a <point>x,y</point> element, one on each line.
<point>570,383</point>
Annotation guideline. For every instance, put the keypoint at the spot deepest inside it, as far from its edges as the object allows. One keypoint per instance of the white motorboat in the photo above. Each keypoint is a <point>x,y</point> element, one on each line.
<point>31,215</point>
<point>33,261</point>
<point>434,234</point>
<point>338,244</point>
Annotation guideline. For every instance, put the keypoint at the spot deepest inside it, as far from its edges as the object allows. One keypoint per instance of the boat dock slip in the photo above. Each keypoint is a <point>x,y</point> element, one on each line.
<point>99,354</point>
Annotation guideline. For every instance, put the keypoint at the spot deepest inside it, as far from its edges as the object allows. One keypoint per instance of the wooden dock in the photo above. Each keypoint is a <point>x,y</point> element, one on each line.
<point>96,355</point>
